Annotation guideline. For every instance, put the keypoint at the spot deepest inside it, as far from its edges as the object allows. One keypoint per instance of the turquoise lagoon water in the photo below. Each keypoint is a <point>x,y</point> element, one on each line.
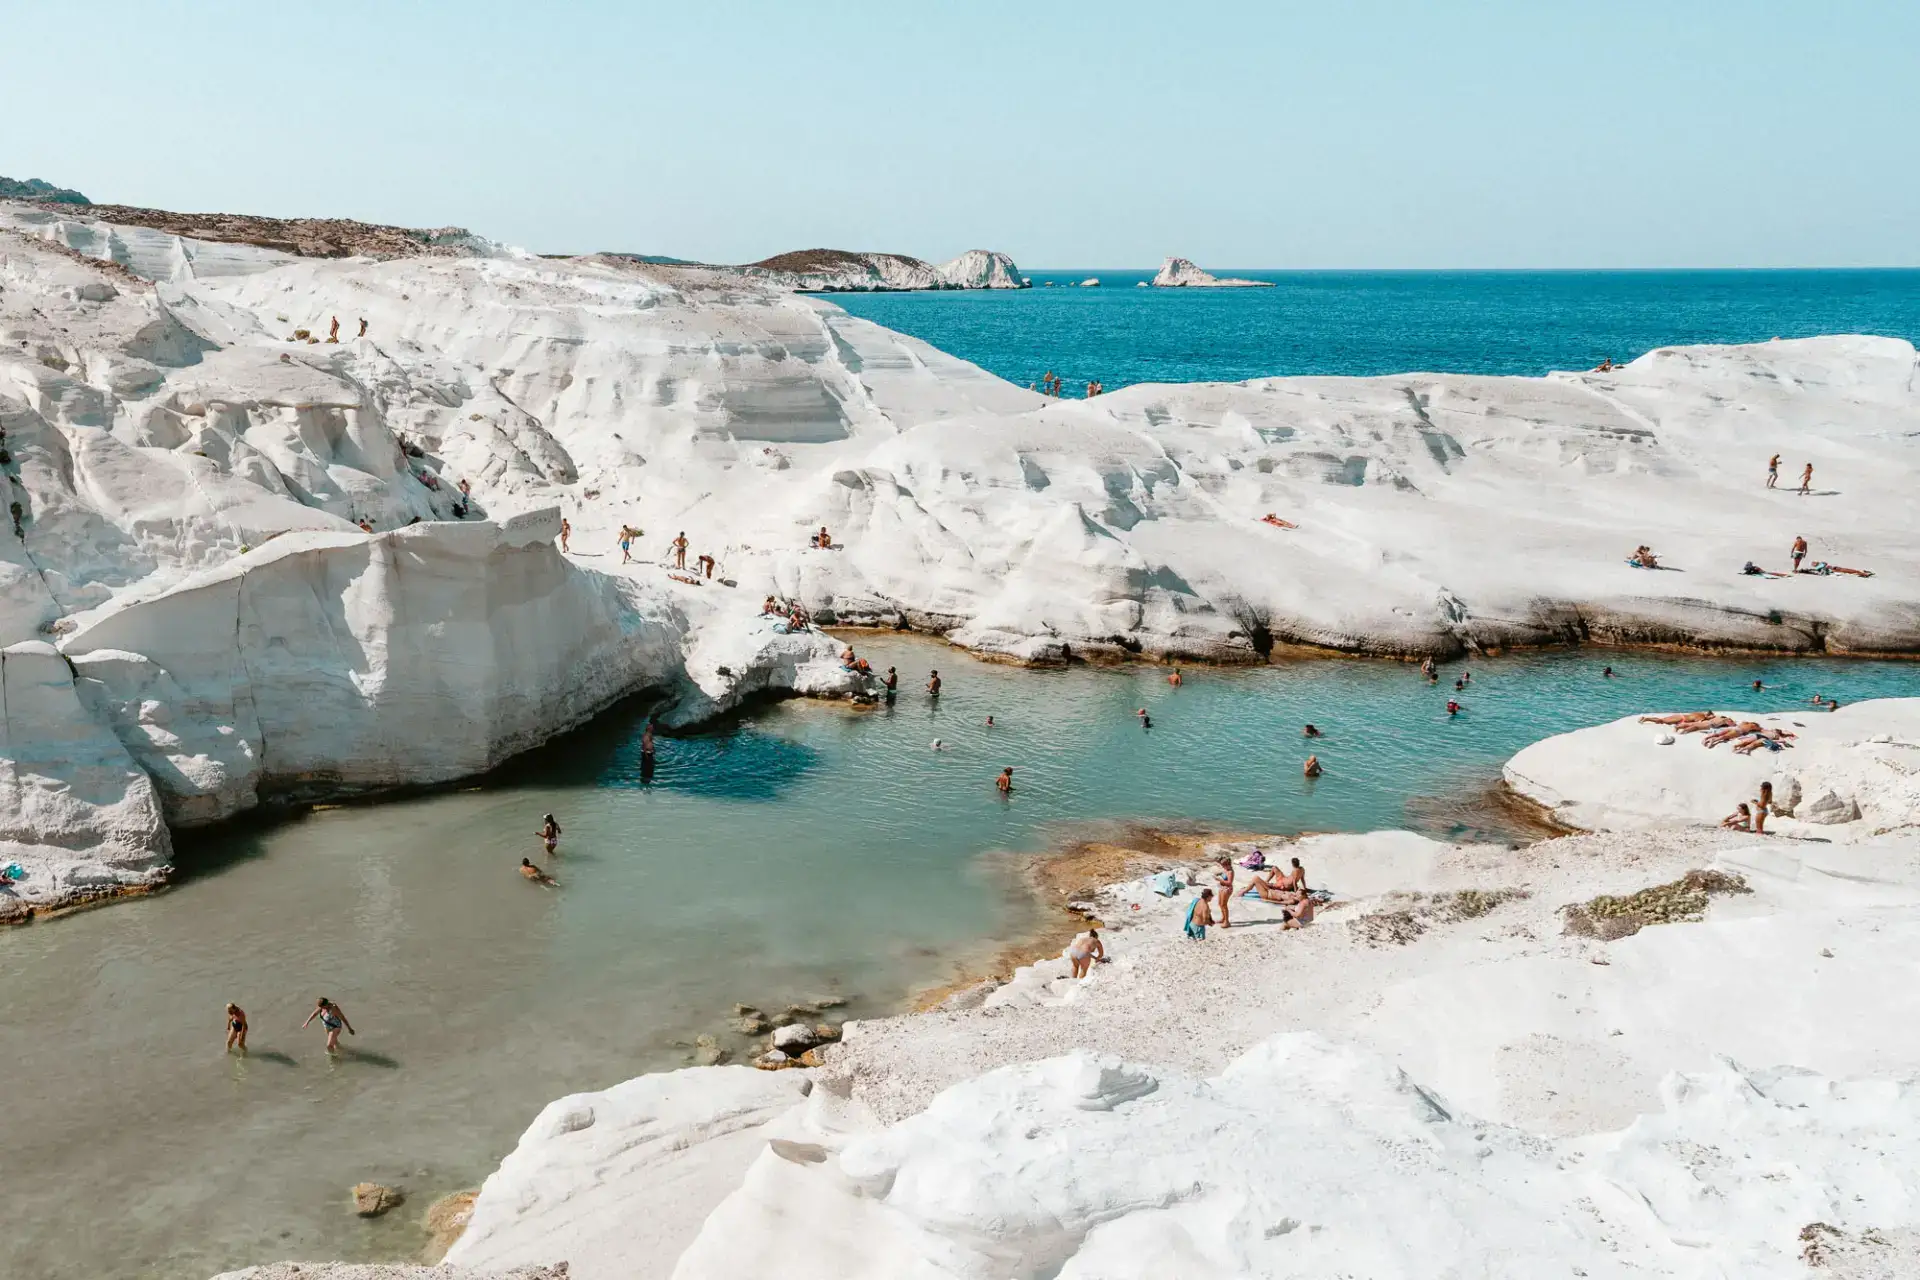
<point>804,849</point>
<point>1376,322</point>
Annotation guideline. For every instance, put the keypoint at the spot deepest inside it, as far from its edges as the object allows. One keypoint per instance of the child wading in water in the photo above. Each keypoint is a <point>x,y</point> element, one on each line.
<point>332,1017</point>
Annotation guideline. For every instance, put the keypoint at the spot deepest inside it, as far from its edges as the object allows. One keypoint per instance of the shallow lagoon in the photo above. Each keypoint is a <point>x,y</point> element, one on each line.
<point>807,849</point>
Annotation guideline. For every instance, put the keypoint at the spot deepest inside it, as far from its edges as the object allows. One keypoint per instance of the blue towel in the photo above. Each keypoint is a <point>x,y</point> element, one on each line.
<point>1166,884</point>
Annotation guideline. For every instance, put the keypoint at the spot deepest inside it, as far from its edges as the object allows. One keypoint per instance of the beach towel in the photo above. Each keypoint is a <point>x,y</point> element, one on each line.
<point>1166,884</point>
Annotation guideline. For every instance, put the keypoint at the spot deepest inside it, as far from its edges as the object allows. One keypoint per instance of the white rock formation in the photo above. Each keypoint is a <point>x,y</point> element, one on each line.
<point>1180,273</point>
<point>77,815</point>
<point>156,431</point>
<point>1091,282</point>
<point>982,269</point>
<point>1849,774</point>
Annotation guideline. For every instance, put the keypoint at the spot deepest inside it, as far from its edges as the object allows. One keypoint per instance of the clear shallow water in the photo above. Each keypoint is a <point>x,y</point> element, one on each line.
<point>807,849</point>
<point>1376,322</point>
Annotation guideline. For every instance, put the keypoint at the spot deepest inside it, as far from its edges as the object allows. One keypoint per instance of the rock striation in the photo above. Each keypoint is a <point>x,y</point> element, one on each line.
<point>1180,273</point>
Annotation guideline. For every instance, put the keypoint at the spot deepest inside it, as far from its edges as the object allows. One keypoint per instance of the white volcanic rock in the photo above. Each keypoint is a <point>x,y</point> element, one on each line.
<point>1854,773</point>
<point>76,814</point>
<point>982,269</point>
<point>329,663</point>
<point>1180,273</point>
<point>616,1183</point>
<point>1087,1166</point>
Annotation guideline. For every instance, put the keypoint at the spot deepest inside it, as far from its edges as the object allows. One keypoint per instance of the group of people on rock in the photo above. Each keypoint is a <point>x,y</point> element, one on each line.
<point>1050,385</point>
<point>1773,476</point>
<point>1747,736</point>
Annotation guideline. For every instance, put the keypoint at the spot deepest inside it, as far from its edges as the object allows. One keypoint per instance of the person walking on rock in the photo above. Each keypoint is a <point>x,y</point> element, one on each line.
<point>332,1018</point>
<point>1799,552</point>
<point>1806,480</point>
<point>333,332</point>
<point>363,328</point>
<point>1773,471</point>
<point>566,531</point>
<point>626,545</point>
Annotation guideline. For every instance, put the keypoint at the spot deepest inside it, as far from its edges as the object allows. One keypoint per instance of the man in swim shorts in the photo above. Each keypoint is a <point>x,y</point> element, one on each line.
<point>1799,551</point>
<point>1199,916</point>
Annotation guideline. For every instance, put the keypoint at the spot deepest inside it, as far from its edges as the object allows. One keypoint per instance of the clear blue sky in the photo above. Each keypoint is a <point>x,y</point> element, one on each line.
<point>1365,133</point>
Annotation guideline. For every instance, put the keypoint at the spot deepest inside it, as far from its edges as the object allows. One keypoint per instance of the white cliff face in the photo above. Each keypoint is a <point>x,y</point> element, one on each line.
<point>982,269</point>
<point>77,815</point>
<point>1180,273</point>
<point>1845,775</point>
<point>157,432</point>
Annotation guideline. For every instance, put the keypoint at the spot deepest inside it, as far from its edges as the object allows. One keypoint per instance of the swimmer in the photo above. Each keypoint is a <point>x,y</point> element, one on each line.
<point>646,746</point>
<point>937,745</point>
<point>1311,732</point>
<point>1005,781</point>
<point>535,874</point>
<point>1146,721</point>
<point>236,1028</point>
<point>989,722</point>
<point>1607,674</point>
<point>1459,686</point>
<point>1757,686</point>
<point>892,683</point>
<point>549,832</point>
<point>1453,707</point>
<point>1466,677</point>
<point>1173,678</point>
<point>1312,767</point>
<point>1084,950</point>
<point>332,1018</point>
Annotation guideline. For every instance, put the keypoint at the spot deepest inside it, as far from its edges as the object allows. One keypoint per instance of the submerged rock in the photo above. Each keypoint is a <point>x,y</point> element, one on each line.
<point>371,1199</point>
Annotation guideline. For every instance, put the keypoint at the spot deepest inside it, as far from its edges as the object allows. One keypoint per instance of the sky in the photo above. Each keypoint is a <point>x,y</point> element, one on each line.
<point>1363,134</point>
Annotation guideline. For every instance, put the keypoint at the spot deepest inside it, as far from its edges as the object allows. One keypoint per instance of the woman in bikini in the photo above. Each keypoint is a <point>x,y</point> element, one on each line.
<point>1223,879</point>
<point>236,1028</point>
<point>332,1018</point>
<point>549,834</point>
<point>1084,950</point>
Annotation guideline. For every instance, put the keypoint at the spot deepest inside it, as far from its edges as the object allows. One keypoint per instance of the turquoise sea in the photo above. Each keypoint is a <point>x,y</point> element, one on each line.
<point>1374,322</point>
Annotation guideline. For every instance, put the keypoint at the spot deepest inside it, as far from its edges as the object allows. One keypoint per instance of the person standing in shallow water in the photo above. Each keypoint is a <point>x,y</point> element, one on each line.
<point>933,685</point>
<point>892,683</point>
<point>549,832</point>
<point>236,1028</point>
<point>1005,781</point>
<point>332,1018</point>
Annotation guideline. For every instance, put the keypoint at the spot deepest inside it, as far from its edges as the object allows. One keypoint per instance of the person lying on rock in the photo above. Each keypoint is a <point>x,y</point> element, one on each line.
<point>1679,717</point>
<point>1702,726</point>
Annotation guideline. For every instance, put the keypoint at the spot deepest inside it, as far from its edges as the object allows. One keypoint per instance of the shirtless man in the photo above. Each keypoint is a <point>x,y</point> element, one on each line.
<point>1084,950</point>
<point>933,684</point>
<point>680,550</point>
<point>1173,677</point>
<point>892,682</point>
<point>1773,471</point>
<point>535,874</point>
<point>1799,551</point>
<point>1199,916</point>
<point>1728,733</point>
<point>1806,480</point>
<point>1683,717</point>
<point>1005,781</point>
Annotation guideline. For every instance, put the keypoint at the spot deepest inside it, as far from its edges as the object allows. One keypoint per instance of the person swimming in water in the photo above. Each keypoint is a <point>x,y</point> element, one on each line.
<point>1312,767</point>
<point>236,1028</point>
<point>989,722</point>
<point>933,684</point>
<point>1174,678</point>
<point>332,1018</point>
<point>1459,686</point>
<point>1453,707</point>
<point>1607,674</point>
<point>1084,950</point>
<point>1005,781</point>
<point>535,874</point>
<point>1311,732</point>
<point>1146,721</point>
<point>549,832</point>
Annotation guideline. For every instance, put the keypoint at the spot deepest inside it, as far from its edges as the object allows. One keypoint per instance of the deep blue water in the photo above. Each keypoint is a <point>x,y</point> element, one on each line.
<point>1373,322</point>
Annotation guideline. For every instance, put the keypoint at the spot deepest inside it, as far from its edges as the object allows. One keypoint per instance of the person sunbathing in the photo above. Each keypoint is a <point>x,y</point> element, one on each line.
<point>1277,522</point>
<point>1301,913</point>
<point>1771,739</point>
<point>1730,732</point>
<point>1823,568</point>
<point>1701,726</point>
<point>1678,717</point>
<point>1643,558</point>
<point>1741,819</point>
